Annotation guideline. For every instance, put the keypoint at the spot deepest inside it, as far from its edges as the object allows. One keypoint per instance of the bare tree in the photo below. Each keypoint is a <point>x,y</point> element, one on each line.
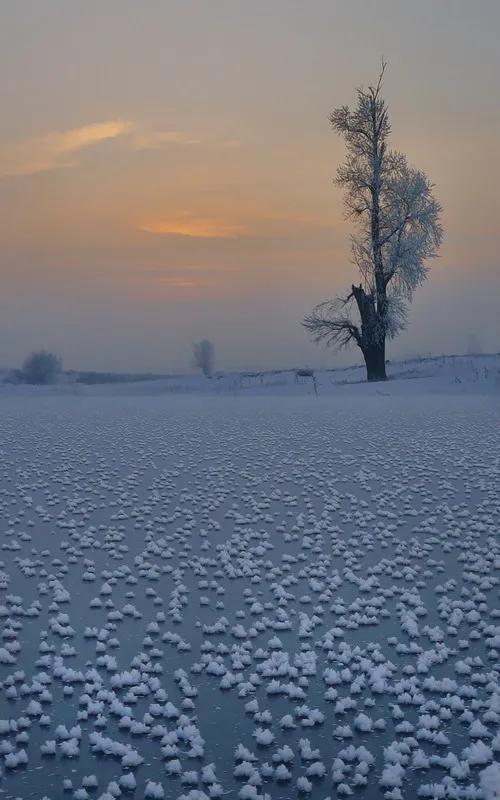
<point>397,230</point>
<point>204,356</point>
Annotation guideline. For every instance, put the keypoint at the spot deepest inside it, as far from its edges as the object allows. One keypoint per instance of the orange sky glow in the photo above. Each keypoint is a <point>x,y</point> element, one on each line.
<point>166,173</point>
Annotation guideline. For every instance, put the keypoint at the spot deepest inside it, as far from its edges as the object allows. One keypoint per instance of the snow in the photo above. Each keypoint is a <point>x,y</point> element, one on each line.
<point>297,595</point>
<point>154,790</point>
<point>460,374</point>
<point>490,781</point>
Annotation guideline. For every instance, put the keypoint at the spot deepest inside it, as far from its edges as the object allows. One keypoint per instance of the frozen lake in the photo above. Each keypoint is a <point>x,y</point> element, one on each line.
<point>291,596</point>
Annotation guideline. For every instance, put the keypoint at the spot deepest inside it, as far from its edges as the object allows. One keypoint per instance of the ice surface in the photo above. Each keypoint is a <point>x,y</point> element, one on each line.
<point>256,593</point>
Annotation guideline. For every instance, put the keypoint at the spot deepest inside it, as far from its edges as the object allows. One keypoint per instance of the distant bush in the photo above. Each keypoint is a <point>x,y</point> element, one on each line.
<point>92,378</point>
<point>203,357</point>
<point>304,373</point>
<point>41,367</point>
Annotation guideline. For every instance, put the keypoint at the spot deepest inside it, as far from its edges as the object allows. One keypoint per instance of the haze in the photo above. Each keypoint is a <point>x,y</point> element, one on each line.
<point>166,174</point>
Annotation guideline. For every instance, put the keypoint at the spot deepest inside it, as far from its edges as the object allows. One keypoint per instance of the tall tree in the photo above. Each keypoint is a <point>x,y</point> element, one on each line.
<point>397,231</point>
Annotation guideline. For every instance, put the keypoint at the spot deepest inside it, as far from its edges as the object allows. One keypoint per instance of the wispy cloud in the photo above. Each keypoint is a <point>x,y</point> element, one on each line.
<point>143,139</point>
<point>185,284</point>
<point>257,225</point>
<point>184,224</point>
<point>56,149</point>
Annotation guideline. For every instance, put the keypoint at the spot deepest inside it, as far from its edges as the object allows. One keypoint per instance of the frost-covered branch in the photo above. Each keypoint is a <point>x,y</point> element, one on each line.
<point>330,322</point>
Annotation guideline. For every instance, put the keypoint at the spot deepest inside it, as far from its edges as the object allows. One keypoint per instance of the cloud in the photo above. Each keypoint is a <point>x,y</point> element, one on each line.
<point>56,149</point>
<point>268,226</point>
<point>142,139</point>
<point>187,284</point>
<point>183,224</point>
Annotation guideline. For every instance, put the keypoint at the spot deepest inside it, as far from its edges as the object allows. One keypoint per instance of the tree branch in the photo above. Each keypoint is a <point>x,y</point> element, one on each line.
<point>329,323</point>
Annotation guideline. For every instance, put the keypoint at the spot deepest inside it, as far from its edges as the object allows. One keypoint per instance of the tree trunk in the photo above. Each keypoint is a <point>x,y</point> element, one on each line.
<point>375,362</point>
<point>372,340</point>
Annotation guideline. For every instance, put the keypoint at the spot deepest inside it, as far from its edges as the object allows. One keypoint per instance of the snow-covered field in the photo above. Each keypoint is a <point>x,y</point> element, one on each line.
<point>252,591</point>
<point>440,374</point>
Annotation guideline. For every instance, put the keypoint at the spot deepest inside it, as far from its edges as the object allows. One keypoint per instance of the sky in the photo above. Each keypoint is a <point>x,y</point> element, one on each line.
<point>166,174</point>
